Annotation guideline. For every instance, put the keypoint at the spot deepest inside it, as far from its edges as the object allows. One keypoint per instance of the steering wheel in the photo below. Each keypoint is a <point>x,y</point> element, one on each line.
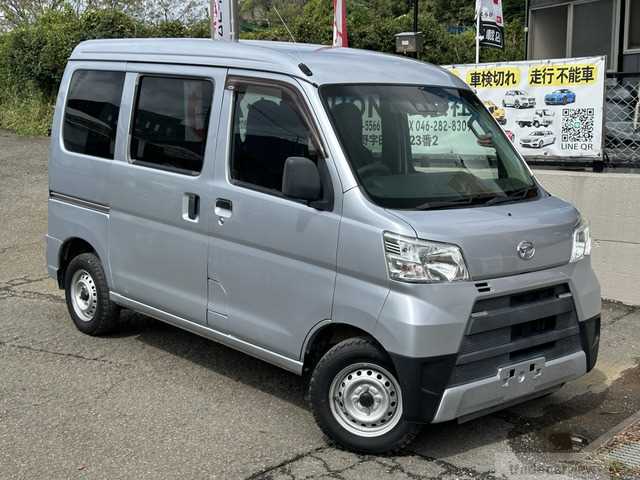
<point>374,169</point>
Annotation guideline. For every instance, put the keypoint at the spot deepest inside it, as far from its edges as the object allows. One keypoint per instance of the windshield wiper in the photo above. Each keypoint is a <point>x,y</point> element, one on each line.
<point>444,204</point>
<point>511,196</point>
<point>484,200</point>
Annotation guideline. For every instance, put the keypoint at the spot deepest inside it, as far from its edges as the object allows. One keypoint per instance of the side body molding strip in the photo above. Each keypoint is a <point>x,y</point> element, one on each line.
<point>79,202</point>
<point>276,359</point>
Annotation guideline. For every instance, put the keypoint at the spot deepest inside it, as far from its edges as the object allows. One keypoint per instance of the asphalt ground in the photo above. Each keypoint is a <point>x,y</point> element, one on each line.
<point>157,402</point>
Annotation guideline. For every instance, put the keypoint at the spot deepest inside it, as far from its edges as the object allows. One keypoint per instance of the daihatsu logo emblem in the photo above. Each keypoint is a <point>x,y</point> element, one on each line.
<point>526,250</point>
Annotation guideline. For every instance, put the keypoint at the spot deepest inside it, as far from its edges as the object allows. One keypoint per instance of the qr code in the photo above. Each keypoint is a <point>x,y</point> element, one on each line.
<point>577,124</point>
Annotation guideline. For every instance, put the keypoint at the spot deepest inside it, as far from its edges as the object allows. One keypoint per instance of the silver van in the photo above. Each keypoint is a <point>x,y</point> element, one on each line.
<point>356,218</point>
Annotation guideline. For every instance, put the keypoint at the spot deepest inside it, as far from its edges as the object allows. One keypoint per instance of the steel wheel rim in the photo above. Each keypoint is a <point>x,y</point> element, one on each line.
<point>84,295</point>
<point>366,400</point>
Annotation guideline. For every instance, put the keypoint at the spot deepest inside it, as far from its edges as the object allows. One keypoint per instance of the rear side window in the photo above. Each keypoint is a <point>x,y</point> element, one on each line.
<point>91,113</point>
<point>170,123</point>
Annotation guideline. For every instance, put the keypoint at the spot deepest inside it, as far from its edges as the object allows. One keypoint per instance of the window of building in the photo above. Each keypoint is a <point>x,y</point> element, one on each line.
<point>549,33</point>
<point>575,29</point>
<point>592,31</point>
<point>632,38</point>
<point>170,123</point>
<point>91,113</point>
<point>268,128</point>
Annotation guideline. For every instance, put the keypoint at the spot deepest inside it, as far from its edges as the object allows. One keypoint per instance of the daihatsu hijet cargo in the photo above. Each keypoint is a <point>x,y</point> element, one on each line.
<point>354,217</point>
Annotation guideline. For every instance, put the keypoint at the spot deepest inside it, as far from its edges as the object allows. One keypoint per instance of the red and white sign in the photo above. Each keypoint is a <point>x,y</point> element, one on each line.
<point>340,37</point>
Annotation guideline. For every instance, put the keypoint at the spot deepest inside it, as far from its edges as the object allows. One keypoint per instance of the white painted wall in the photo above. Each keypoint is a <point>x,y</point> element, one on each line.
<point>611,203</point>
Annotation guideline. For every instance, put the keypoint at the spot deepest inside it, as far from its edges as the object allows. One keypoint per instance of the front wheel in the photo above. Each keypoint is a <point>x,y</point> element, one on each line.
<point>356,399</point>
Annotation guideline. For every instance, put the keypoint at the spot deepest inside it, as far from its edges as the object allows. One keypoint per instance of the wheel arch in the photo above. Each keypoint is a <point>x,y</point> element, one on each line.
<point>71,248</point>
<point>328,333</point>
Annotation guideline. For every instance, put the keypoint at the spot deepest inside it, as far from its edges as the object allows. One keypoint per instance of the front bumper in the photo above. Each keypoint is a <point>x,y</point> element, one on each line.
<point>486,394</point>
<point>431,394</point>
<point>456,337</point>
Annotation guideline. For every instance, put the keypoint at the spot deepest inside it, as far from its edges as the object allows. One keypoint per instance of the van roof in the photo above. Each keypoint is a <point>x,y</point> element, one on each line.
<point>328,65</point>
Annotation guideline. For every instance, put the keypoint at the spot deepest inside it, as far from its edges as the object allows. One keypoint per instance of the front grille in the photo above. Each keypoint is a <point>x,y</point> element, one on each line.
<point>511,328</point>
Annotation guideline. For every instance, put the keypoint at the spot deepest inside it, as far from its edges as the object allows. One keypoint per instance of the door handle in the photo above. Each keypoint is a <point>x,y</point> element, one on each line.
<point>191,207</point>
<point>224,208</point>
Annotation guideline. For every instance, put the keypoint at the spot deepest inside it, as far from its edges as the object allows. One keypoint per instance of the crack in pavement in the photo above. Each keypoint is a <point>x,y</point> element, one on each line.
<point>31,295</point>
<point>4,250</point>
<point>390,464</point>
<point>24,280</point>
<point>451,469</point>
<point>64,354</point>
<point>613,321</point>
<point>260,475</point>
<point>9,291</point>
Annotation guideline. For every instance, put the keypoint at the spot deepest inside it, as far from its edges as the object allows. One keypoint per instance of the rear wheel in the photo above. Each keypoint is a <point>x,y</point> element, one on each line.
<point>356,399</point>
<point>87,296</point>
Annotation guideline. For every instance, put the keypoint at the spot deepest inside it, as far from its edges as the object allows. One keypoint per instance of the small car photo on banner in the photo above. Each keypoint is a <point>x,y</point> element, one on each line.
<point>548,108</point>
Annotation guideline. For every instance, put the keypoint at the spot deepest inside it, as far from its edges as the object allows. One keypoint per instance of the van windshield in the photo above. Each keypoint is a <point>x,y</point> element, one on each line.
<point>419,147</point>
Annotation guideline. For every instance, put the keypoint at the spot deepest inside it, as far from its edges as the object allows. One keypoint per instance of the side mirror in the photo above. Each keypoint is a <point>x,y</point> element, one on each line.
<point>301,179</point>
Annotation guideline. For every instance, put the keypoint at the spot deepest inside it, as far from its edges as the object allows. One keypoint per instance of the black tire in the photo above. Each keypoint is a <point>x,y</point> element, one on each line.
<point>516,104</point>
<point>350,352</point>
<point>536,124</point>
<point>103,316</point>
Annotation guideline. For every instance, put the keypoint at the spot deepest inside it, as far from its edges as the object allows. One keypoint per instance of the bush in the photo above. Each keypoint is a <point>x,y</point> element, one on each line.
<point>36,54</point>
<point>33,56</point>
<point>25,111</point>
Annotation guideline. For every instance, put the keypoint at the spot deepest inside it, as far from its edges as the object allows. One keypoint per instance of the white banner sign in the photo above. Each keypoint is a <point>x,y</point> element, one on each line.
<point>222,19</point>
<point>547,107</point>
<point>491,23</point>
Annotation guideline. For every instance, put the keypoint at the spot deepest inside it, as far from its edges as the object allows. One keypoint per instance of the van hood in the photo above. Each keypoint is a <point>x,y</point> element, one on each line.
<point>489,236</point>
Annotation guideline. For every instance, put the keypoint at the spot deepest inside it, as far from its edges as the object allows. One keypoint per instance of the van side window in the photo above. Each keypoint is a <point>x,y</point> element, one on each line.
<point>91,113</point>
<point>170,123</point>
<point>268,127</point>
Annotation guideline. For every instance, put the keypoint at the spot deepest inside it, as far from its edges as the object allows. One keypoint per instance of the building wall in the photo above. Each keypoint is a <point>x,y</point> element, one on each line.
<point>627,63</point>
<point>611,203</point>
<point>545,3</point>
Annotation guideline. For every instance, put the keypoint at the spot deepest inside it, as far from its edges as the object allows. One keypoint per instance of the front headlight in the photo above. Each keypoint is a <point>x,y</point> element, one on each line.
<point>581,243</point>
<point>420,261</point>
